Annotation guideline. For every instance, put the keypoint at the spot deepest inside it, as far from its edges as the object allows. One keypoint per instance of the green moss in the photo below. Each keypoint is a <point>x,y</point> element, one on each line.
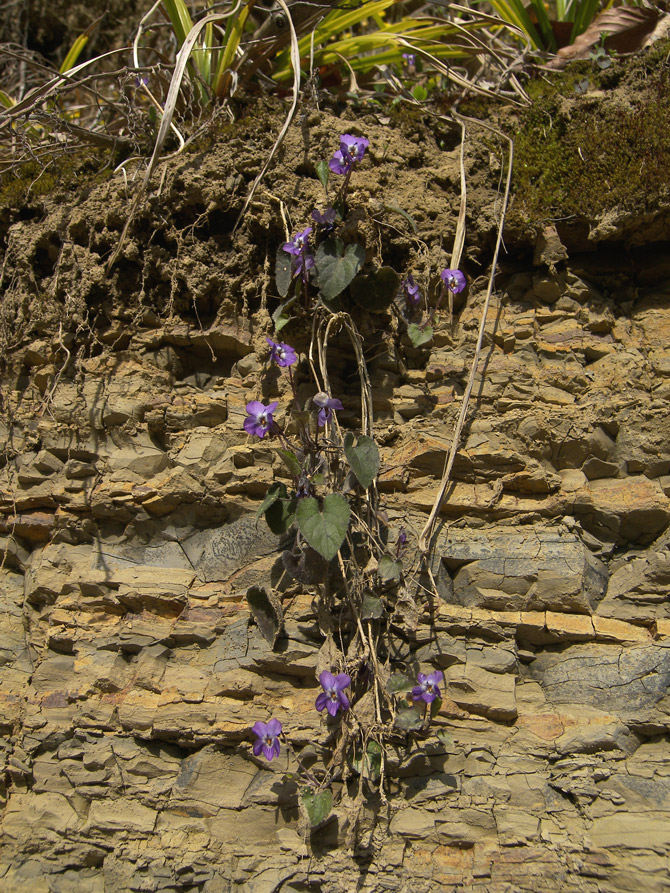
<point>31,181</point>
<point>582,155</point>
<point>406,117</point>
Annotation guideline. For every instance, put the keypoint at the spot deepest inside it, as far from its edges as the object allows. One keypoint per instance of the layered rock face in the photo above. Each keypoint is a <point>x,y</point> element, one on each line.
<point>131,669</point>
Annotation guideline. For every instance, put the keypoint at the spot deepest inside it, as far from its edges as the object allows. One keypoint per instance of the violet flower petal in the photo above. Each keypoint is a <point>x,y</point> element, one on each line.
<point>321,701</point>
<point>259,419</point>
<point>267,741</point>
<point>274,728</point>
<point>342,680</point>
<point>342,700</point>
<point>454,280</point>
<point>340,163</point>
<point>282,354</point>
<point>327,680</point>
<point>355,146</point>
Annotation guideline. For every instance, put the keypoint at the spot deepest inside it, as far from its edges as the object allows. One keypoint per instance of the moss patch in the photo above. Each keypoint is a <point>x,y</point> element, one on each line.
<point>579,156</point>
<point>31,181</point>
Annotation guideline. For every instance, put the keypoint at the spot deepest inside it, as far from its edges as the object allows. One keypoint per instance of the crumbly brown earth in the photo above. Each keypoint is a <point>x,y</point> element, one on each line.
<point>131,671</point>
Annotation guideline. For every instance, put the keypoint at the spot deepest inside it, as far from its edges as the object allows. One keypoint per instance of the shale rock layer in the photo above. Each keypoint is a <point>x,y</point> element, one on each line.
<point>131,669</point>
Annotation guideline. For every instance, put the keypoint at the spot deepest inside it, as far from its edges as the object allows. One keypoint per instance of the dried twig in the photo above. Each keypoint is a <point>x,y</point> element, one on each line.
<point>427,532</point>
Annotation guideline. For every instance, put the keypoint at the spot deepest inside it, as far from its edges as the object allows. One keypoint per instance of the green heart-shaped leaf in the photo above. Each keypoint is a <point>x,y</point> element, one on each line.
<point>399,682</point>
<point>324,529</point>
<point>323,172</point>
<point>316,805</point>
<point>280,515</point>
<point>370,764</point>
<point>409,719</point>
<point>376,291</point>
<point>290,460</point>
<point>389,568</point>
<point>363,457</point>
<point>372,607</point>
<point>274,492</point>
<point>283,271</point>
<point>281,315</point>
<point>419,336</point>
<point>337,266</point>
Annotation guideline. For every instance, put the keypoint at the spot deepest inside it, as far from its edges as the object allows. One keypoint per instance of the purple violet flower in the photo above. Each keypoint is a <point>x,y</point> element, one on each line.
<point>326,406</point>
<point>427,689</point>
<point>267,741</point>
<point>299,248</point>
<point>282,354</point>
<point>411,290</point>
<point>325,221</point>
<point>333,697</point>
<point>402,538</point>
<point>304,488</point>
<point>409,59</point>
<point>299,242</point>
<point>259,419</point>
<point>454,280</point>
<point>352,149</point>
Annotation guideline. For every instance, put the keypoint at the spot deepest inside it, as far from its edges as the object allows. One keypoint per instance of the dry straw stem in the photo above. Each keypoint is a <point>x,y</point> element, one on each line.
<point>295,64</point>
<point>345,321</point>
<point>29,106</point>
<point>484,48</point>
<point>181,63</point>
<point>427,532</point>
<point>459,238</point>
<point>136,62</point>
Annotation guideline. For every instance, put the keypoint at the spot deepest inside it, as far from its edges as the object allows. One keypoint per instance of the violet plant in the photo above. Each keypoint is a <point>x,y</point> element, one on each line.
<point>282,354</point>
<point>327,506</point>
<point>267,740</point>
<point>452,282</point>
<point>412,291</point>
<point>333,698</point>
<point>352,150</point>
<point>326,406</point>
<point>428,687</point>
<point>260,419</point>
<point>326,272</point>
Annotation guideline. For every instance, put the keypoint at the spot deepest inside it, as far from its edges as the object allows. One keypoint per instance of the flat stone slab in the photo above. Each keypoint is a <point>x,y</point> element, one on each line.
<point>214,554</point>
<point>625,681</point>
<point>520,570</point>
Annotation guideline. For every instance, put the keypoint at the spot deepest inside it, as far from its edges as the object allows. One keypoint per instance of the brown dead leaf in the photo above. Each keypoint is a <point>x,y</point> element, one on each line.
<point>329,656</point>
<point>627,31</point>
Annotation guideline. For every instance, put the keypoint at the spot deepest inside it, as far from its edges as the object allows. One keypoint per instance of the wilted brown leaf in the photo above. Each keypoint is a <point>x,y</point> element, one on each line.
<point>627,31</point>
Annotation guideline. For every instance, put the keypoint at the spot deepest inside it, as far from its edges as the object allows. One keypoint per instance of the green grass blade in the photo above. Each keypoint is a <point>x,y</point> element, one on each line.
<point>340,20</point>
<point>182,25</point>
<point>584,13</point>
<point>544,25</point>
<point>514,12</point>
<point>180,19</point>
<point>233,36</point>
<point>74,53</point>
<point>363,52</point>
